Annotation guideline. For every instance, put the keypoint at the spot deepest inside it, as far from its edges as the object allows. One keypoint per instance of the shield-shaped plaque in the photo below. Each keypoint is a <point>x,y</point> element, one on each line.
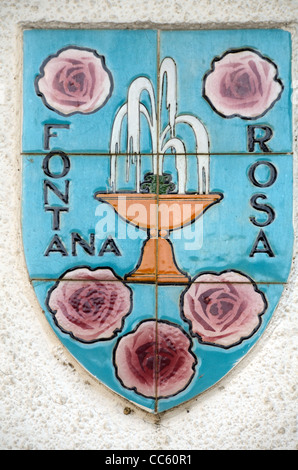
<point>157,199</point>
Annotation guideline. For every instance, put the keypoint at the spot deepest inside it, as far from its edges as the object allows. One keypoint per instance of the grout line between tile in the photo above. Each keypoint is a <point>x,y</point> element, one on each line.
<point>156,283</point>
<point>157,218</point>
<point>147,154</point>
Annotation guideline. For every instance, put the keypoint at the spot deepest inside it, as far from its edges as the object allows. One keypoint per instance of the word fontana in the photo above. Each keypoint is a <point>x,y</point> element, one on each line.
<point>57,244</point>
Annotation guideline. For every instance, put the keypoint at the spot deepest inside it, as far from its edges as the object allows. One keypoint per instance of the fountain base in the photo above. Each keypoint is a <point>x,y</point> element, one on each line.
<point>157,264</point>
<point>159,215</point>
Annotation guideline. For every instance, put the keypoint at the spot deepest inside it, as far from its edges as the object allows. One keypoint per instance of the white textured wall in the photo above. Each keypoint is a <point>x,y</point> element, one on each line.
<point>46,400</point>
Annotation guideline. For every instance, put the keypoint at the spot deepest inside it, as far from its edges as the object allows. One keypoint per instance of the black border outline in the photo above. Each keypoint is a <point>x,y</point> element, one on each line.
<point>60,279</point>
<point>156,321</point>
<point>212,68</point>
<point>52,56</point>
<point>189,322</point>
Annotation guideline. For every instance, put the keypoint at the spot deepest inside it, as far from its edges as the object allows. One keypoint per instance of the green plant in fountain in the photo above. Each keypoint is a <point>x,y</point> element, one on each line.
<point>161,184</point>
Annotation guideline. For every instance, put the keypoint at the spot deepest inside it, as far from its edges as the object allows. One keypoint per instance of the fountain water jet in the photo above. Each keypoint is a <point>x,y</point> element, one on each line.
<point>157,261</point>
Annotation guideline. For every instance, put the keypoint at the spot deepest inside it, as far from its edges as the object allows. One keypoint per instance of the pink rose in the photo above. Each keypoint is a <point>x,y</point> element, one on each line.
<point>223,309</point>
<point>75,80</point>
<point>155,360</point>
<point>89,305</point>
<point>242,83</point>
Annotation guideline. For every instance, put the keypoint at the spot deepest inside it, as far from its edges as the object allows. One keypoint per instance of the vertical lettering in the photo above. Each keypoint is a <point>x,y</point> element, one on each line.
<point>252,139</point>
<point>262,238</point>
<point>56,215</point>
<point>262,207</point>
<point>272,174</point>
<point>64,197</point>
<point>47,135</point>
<point>56,246</point>
<point>65,162</point>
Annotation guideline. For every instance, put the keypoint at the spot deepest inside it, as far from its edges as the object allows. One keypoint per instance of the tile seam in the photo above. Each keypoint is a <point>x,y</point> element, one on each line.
<point>48,279</point>
<point>157,216</point>
<point>107,154</point>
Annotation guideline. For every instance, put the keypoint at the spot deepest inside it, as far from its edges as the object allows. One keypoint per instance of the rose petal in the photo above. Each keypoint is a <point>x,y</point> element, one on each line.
<point>75,80</point>
<point>242,84</point>
<point>89,305</point>
<point>223,309</point>
<point>175,344</point>
<point>155,360</point>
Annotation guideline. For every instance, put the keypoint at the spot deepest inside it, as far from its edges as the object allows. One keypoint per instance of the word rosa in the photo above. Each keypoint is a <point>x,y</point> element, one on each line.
<point>242,83</point>
<point>89,305</point>
<point>223,309</point>
<point>75,80</point>
<point>155,360</point>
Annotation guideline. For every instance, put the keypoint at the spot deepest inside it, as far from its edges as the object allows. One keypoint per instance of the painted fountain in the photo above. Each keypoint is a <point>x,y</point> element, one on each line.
<point>163,210</point>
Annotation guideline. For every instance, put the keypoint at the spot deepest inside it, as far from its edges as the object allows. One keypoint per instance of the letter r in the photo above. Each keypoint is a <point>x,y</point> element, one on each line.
<point>252,139</point>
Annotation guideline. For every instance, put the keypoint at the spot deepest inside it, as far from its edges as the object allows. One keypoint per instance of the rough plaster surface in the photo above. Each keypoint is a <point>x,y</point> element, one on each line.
<point>46,400</point>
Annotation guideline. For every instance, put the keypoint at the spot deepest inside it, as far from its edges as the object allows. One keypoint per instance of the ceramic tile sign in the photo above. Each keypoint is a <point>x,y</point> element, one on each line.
<point>157,199</point>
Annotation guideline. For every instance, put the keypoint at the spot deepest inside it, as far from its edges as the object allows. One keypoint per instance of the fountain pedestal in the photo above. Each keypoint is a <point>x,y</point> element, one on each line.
<point>157,264</point>
<point>160,215</point>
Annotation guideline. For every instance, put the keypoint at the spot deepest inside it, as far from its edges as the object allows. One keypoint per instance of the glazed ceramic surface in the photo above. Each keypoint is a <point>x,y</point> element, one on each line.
<point>157,199</point>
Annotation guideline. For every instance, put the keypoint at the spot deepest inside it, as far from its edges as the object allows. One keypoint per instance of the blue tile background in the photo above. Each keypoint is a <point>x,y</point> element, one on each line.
<point>96,357</point>
<point>213,362</point>
<point>193,52</point>
<point>226,234</point>
<point>87,175</point>
<point>128,54</point>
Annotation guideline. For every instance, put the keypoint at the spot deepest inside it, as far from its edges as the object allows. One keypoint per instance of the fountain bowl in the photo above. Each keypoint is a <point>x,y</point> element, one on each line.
<point>158,214</point>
